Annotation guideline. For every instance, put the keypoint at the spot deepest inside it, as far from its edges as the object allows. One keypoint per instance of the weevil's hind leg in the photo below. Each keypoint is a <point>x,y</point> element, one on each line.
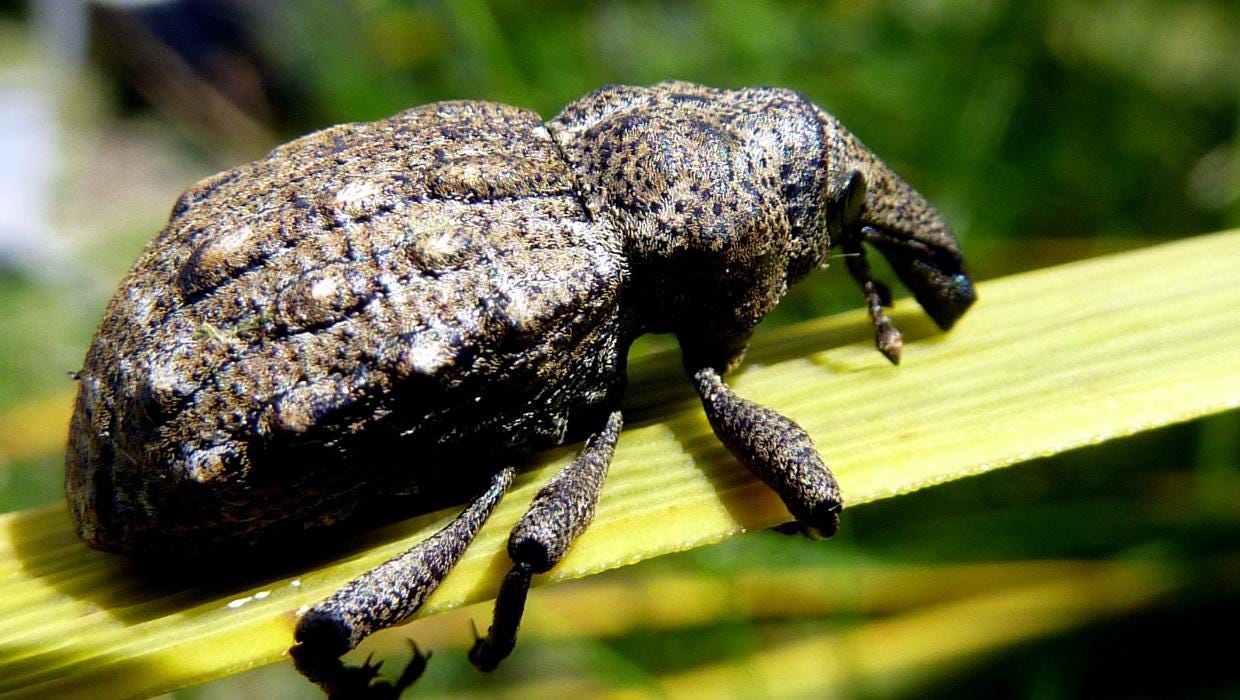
<point>777,451</point>
<point>382,597</point>
<point>877,296</point>
<point>561,510</point>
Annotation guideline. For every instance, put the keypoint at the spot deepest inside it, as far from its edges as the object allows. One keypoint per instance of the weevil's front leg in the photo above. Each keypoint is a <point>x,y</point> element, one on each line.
<point>886,336</point>
<point>382,597</point>
<point>560,511</point>
<point>776,450</point>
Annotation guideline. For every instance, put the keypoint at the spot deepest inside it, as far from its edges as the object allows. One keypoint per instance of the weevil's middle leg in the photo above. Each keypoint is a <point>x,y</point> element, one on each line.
<point>560,511</point>
<point>776,450</point>
<point>382,597</point>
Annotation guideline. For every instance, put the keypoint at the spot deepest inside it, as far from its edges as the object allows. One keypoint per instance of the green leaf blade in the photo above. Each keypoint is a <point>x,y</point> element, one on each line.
<point>1047,361</point>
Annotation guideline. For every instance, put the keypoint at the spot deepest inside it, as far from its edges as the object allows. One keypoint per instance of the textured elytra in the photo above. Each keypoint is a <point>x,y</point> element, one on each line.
<point>425,280</point>
<point>379,316</point>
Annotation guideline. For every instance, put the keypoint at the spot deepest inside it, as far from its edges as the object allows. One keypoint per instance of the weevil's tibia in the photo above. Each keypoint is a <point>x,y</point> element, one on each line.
<point>382,597</point>
<point>561,511</point>
<point>886,336</point>
<point>777,451</point>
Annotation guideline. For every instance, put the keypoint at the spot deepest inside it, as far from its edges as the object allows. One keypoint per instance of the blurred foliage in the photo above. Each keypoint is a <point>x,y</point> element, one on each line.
<point>1020,119</point>
<point>1044,131</point>
<point>1052,119</point>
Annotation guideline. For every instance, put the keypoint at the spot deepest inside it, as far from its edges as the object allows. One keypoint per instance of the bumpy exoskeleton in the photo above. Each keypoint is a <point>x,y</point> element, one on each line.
<point>380,316</point>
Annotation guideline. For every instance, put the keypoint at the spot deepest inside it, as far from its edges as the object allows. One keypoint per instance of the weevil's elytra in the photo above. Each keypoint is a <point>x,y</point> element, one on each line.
<point>380,314</point>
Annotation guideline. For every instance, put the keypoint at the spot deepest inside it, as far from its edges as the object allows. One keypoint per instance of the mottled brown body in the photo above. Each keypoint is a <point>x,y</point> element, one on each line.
<point>384,313</point>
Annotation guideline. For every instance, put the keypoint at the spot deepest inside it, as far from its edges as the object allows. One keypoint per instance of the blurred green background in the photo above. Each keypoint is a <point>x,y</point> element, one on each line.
<point>1045,132</point>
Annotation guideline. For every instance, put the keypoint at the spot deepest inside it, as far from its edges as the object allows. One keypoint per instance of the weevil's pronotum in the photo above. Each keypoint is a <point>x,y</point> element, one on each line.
<point>382,315</point>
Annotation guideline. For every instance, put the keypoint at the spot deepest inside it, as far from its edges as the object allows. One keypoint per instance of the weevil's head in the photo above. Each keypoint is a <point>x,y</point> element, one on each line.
<point>868,203</point>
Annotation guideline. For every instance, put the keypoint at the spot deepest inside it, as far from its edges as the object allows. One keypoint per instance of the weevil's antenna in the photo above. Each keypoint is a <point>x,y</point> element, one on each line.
<point>877,297</point>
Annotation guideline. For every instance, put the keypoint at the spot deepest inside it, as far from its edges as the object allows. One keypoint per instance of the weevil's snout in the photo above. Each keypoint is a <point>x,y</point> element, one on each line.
<point>933,273</point>
<point>867,202</point>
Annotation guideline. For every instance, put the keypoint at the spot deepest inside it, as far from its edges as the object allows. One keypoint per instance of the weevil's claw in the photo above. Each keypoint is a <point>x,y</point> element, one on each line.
<point>341,681</point>
<point>791,528</point>
<point>413,670</point>
<point>486,654</point>
<point>795,528</point>
<point>479,641</point>
<point>482,652</point>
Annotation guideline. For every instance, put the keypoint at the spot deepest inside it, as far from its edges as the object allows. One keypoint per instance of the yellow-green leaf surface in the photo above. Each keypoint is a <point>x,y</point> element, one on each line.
<point>921,622</point>
<point>1045,362</point>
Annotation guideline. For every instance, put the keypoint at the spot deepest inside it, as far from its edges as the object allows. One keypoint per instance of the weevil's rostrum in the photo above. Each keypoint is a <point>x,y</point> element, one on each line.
<point>384,314</point>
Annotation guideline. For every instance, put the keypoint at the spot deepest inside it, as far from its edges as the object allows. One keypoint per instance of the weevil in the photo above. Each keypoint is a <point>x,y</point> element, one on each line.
<point>379,314</point>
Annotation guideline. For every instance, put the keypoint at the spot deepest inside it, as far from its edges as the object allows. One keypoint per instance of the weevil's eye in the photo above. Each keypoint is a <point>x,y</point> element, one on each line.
<point>853,198</point>
<point>846,205</point>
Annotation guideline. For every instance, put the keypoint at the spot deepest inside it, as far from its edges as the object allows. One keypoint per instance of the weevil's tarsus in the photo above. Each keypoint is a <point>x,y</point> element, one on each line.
<point>343,682</point>
<point>501,638</point>
<point>560,511</point>
<point>776,450</point>
<point>382,597</point>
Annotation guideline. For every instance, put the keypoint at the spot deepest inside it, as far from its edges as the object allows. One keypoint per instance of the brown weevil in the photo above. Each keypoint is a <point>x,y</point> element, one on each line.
<point>380,314</point>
